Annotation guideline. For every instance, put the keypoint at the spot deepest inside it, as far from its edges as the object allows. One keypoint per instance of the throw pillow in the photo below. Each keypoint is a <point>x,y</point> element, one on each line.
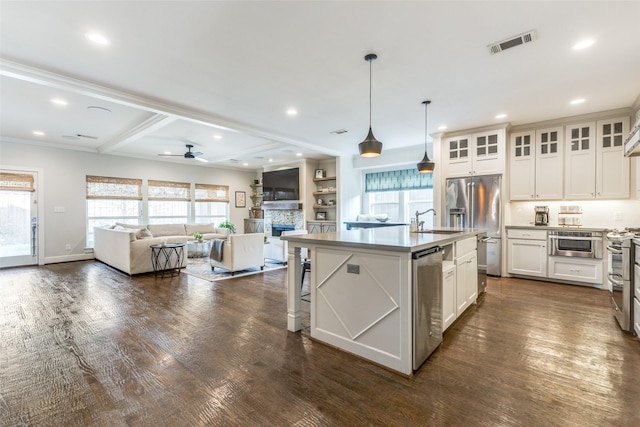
<point>144,233</point>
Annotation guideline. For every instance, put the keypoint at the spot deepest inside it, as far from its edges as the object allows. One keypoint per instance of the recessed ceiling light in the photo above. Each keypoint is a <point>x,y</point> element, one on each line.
<point>245,164</point>
<point>501,116</point>
<point>216,136</point>
<point>292,112</point>
<point>168,153</point>
<point>271,160</point>
<point>38,132</point>
<point>98,39</point>
<point>577,101</point>
<point>583,44</point>
<point>299,154</point>
<point>443,127</point>
<point>58,101</point>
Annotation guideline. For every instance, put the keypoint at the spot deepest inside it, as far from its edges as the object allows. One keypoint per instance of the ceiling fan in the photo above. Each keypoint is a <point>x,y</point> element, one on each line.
<point>188,155</point>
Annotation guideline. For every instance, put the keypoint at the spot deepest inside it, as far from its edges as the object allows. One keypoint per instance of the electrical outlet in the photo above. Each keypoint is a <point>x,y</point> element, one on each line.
<point>67,246</point>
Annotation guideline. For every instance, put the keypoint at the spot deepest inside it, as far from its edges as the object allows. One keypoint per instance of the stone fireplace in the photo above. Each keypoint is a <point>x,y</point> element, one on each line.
<point>286,218</point>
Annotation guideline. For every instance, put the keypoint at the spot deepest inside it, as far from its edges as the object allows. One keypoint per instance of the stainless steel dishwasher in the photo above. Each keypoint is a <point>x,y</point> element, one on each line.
<point>427,303</point>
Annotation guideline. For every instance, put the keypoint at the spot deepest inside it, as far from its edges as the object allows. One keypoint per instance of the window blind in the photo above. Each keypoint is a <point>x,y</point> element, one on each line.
<point>168,190</point>
<point>399,180</point>
<point>212,193</point>
<point>103,187</point>
<point>16,181</point>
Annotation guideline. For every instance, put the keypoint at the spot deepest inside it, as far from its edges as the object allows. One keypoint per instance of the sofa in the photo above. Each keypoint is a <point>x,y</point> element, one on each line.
<point>278,250</point>
<point>239,252</point>
<point>127,246</point>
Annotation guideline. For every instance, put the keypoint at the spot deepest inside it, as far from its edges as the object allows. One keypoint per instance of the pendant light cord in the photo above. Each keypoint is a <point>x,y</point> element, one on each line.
<point>370,61</point>
<point>426,104</point>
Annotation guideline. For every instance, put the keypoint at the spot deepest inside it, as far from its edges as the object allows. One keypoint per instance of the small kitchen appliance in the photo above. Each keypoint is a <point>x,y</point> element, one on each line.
<point>542,215</point>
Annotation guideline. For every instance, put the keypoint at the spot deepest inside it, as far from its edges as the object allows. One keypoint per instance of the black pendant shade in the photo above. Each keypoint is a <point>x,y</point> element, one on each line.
<point>370,147</point>
<point>426,165</point>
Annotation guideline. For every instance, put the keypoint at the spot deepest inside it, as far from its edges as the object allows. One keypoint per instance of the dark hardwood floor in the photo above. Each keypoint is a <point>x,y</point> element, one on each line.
<point>84,345</point>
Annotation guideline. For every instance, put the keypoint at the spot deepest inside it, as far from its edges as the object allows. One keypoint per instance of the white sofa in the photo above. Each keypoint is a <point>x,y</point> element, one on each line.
<point>239,252</point>
<point>278,250</point>
<point>127,247</point>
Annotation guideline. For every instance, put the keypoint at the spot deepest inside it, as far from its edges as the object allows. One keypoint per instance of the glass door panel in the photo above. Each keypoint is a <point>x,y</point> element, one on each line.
<point>18,224</point>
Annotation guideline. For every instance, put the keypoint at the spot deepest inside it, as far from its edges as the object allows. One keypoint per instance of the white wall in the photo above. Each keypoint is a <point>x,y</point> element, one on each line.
<point>64,186</point>
<point>595,213</point>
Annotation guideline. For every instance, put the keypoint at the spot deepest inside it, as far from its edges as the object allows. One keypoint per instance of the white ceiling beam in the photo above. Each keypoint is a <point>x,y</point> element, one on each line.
<point>50,79</point>
<point>143,129</point>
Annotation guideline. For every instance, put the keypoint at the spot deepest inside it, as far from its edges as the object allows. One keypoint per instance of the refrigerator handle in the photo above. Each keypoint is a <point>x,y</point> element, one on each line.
<point>472,205</point>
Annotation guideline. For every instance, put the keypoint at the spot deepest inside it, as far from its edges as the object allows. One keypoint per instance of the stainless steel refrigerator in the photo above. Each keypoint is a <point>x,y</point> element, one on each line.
<point>475,203</point>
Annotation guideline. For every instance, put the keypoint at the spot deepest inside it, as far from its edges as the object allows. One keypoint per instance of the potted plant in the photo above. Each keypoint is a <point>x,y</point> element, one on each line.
<point>229,225</point>
<point>198,237</point>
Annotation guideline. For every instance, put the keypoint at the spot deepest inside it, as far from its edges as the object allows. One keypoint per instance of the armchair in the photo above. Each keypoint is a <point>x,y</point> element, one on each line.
<point>240,251</point>
<point>278,250</point>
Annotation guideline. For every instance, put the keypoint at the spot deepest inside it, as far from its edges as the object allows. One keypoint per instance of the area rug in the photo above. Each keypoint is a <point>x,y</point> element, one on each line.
<point>200,268</point>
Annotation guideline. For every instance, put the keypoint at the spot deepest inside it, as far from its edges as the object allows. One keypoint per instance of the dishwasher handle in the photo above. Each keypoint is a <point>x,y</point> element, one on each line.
<point>426,252</point>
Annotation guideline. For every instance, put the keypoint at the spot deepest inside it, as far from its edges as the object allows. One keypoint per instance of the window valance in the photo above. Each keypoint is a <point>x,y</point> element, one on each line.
<point>168,190</point>
<point>399,180</point>
<point>212,193</point>
<point>16,181</point>
<point>103,187</point>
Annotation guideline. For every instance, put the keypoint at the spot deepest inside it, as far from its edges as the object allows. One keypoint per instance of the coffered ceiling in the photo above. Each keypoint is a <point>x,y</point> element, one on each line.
<point>221,75</point>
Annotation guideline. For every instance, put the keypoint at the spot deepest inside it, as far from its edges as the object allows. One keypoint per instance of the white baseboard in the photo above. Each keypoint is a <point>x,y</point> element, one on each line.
<point>68,258</point>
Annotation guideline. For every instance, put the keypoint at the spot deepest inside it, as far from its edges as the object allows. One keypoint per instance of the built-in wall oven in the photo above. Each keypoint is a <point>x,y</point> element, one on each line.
<point>620,254</point>
<point>574,243</point>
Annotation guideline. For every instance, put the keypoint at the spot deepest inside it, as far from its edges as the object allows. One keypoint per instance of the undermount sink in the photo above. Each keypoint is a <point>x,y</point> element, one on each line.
<point>438,231</point>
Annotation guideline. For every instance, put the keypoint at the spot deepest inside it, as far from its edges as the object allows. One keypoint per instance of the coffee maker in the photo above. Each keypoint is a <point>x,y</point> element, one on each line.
<point>542,215</point>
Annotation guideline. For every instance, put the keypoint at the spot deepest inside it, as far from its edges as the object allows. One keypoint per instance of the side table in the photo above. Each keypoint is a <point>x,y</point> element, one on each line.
<point>167,259</point>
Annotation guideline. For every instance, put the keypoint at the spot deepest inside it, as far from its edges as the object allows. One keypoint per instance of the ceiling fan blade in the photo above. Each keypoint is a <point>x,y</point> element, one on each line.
<point>197,153</point>
<point>202,160</point>
<point>171,155</point>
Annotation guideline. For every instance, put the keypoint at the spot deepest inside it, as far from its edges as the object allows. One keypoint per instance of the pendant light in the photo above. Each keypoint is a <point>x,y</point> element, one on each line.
<point>426,165</point>
<point>370,147</point>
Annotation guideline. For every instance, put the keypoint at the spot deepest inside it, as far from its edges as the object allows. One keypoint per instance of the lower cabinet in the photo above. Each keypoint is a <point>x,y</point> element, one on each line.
<point>527,252</point>
<point>466,281</point>
<point>449,312</point>
<point>575,269</point>
<point>321,226</point>
<point>253,226</point>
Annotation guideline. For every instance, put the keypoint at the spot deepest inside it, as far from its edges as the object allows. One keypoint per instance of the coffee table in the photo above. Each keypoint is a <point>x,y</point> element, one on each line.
<point>198,248</point>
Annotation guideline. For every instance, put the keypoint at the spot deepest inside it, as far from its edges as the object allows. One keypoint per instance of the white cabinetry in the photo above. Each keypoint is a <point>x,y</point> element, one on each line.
<point>549,164</point>
<point>535,165</point>
<point>575,269</point>
<point>612,167</point>
<point>476,154</point>
<point>527,252</point>
<point>595,166</point>
<point>466,274</point>
<point>449,313</point>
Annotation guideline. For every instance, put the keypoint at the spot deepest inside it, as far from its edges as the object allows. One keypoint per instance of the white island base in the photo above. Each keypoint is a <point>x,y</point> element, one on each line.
<point>360,290</point>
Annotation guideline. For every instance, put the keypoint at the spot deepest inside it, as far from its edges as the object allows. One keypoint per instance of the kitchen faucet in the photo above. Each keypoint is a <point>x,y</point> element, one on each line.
<point>421,223</point>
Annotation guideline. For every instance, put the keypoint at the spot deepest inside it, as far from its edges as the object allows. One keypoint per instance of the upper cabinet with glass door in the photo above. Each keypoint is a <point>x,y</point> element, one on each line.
<point>474,154</point>
<point>595,166</point>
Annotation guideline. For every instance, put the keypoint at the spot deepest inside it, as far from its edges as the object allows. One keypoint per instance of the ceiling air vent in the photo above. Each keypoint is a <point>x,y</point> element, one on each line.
<point>523,38</point>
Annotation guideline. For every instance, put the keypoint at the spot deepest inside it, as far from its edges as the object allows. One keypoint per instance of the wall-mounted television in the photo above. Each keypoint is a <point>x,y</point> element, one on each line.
<point>281,185</point>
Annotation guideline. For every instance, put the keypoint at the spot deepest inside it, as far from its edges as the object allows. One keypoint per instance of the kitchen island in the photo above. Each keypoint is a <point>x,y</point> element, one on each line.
<point>361,288</point>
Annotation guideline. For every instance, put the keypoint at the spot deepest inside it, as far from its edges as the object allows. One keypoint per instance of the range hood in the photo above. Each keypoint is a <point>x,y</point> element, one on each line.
<point>632,144</point>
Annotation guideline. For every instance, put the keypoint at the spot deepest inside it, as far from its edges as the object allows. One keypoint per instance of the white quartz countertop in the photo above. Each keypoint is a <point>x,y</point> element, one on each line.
<point>557,228</point>
<point>396,239</point>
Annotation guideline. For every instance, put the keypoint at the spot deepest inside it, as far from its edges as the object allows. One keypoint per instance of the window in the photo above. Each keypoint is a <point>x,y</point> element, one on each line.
<point>211,203</point>
<point>111,200</point>
<point>399,194</point>
<point>168,202</point>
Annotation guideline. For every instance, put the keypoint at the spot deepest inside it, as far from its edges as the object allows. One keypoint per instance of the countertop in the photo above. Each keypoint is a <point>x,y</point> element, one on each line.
<point>557,228</point>
<point>395,239</point>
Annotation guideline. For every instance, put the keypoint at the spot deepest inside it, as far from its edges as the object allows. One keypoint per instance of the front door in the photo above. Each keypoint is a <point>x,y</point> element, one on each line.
<point>18,218</point>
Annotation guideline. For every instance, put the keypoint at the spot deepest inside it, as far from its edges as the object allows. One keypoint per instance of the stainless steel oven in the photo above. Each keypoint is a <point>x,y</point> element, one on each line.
<point>620,253</point>
<point>573,243</point>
